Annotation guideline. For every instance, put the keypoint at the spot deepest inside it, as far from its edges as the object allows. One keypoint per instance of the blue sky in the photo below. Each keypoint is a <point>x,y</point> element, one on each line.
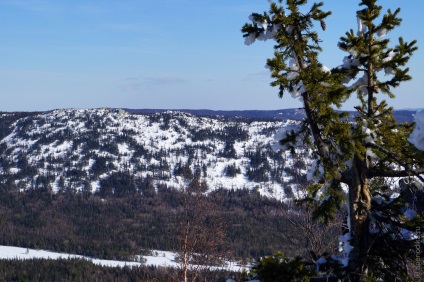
<point>173,54</point>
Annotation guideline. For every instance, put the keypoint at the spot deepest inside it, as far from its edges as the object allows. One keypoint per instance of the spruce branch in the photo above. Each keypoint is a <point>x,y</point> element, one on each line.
<point>408,169</point>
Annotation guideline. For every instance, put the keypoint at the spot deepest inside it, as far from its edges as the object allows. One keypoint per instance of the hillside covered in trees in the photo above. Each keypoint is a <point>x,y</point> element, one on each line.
<point>108,151</point>
<point>110,184</point>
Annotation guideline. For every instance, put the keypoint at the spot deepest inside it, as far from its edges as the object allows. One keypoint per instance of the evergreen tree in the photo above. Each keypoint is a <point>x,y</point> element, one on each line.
<point>361,154</point>
<point>288,269</point>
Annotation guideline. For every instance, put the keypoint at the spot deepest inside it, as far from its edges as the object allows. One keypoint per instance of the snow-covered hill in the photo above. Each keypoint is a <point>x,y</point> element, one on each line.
<point>111,151</point>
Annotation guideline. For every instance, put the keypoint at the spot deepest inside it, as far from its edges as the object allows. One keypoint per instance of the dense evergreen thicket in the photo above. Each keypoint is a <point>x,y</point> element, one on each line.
<point>82,270</point>
<point>113,227</point>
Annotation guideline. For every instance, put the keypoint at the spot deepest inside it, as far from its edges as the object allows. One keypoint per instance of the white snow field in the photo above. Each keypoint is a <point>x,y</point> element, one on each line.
<point>158,258</point>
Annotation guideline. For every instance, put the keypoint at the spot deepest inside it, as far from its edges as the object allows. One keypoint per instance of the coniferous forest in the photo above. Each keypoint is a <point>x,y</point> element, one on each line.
<point>120,228</point>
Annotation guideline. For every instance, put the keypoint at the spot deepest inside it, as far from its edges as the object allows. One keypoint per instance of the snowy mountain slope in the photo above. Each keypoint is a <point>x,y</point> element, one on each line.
<point>108,150</point>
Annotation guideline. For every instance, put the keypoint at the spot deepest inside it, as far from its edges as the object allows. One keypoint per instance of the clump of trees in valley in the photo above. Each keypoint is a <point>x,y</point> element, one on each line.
<point>83,270</point>
<point>236,225</point>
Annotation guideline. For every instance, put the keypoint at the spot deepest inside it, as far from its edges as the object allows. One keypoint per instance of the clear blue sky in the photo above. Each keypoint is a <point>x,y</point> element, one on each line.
<point>169,54</point>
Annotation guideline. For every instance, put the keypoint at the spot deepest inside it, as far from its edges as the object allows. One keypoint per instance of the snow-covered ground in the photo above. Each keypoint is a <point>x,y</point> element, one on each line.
<point>417,136</point>
<point>158,258</point>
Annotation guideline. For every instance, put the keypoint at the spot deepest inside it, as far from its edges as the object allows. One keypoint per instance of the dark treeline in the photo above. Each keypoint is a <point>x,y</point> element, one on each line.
<point>82,270</point>
<point>107,226</point>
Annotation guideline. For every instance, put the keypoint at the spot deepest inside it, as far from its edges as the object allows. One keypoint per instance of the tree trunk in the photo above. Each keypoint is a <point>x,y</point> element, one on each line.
<point>185,253</point>
<point>359,207</point>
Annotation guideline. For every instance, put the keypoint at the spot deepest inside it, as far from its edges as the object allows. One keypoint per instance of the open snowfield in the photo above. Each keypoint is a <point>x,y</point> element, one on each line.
<point>160,258</point>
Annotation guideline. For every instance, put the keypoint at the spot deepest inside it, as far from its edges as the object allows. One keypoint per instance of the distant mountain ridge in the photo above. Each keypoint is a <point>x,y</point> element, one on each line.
<point>403,115</point>
<point>293,114</point>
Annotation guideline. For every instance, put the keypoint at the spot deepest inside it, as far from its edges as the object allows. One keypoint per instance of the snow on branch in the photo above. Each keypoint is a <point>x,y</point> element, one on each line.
<point>362,29</point>
<point>417,136</point>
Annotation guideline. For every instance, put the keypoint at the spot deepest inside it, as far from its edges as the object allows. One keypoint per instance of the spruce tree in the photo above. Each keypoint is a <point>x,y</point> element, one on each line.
<point>362,154</point>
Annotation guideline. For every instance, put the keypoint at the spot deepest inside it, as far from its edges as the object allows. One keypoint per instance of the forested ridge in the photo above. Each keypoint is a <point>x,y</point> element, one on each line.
<point>84,150</point>
<point>107,184</point>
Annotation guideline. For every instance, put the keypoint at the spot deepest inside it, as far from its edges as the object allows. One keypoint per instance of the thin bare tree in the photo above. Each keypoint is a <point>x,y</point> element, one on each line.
<point>202,234</point>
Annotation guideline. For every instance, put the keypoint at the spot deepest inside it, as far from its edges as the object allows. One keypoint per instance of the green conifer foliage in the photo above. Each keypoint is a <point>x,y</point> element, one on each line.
<point>281,268</point>
<point>362,154</point>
